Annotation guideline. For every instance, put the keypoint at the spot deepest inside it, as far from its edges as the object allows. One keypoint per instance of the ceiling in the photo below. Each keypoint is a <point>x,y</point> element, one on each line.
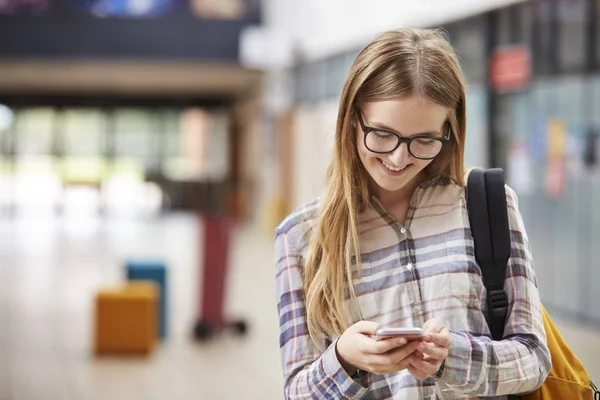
<point>318,28</point>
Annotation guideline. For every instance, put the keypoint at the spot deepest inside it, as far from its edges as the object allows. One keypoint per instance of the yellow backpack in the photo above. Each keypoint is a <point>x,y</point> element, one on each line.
<point>568,378</point>
<point>488,216</point>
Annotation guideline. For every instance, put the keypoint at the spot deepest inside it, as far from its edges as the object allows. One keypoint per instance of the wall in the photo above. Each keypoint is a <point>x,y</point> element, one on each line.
<point>313,134</point>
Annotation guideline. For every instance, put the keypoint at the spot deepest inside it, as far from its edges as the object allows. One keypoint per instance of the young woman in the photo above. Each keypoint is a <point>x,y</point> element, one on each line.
<point>389,245</point>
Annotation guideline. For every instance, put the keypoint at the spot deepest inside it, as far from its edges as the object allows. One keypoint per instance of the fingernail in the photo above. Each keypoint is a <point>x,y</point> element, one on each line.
<point>401,341</point>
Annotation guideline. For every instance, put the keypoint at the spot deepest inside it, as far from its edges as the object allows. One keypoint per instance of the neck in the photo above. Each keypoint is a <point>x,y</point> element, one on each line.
<point>389,200</point>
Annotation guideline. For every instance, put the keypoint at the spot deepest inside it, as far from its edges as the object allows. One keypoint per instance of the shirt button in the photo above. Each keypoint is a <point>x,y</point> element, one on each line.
<point>403,230</point>
<point>409,266</point>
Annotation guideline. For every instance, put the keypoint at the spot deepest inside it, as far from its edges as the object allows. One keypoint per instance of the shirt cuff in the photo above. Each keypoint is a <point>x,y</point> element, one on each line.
<point>457,368</point>
<point>347,386</point>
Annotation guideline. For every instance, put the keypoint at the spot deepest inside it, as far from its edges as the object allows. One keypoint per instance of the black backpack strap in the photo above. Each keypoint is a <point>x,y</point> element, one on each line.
<point>488,217</point>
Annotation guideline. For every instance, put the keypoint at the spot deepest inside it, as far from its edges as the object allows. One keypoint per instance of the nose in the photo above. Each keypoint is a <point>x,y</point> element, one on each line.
<point>400,156</point>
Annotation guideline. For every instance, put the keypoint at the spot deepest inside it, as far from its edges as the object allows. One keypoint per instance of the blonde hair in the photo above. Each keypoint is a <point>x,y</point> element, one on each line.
<point>397,64</point>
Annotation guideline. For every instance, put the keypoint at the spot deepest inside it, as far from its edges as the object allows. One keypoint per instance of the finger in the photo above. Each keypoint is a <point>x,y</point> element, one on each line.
<point>368,344</point>
<point>418,356</point>
<point>439,339</point>
<point>383,346</point>
<point>392,357</point>
<point>416,361</point>
<point>383,365</point>
<point>433,325</point>
<point>402,365</point>
<point>397,355</point>
<point>366,327</point>
<point>427,367</point>
<point>430,351</point>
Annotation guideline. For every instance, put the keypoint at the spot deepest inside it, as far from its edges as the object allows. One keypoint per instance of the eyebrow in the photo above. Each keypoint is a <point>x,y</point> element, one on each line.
<point>379,125</point>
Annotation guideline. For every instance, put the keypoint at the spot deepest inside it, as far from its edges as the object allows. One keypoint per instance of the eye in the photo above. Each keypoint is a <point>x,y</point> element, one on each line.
<point>383,135</point>
<point>425,141</point>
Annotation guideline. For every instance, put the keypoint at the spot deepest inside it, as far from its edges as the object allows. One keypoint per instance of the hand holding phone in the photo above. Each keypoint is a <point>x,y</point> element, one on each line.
<point>358,348</point>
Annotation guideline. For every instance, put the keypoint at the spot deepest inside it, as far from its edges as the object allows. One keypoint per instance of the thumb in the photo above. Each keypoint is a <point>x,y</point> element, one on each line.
<point>366,327</point>
<point>433,326</point>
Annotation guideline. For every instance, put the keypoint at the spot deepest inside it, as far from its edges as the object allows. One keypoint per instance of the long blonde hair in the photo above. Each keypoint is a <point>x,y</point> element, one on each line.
<point>397,64</point>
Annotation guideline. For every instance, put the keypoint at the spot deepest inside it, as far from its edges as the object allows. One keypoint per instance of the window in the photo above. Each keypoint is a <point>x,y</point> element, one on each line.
<point>126,8</point>
<point>572,25</point>
<point>471,48</point>
<point>336,75</point>
<point>33,130</point>
<point>83,131</point>
<point>25,6</point>
<point>219,9</point>
<point>543,38</point>
<point>504,27</point>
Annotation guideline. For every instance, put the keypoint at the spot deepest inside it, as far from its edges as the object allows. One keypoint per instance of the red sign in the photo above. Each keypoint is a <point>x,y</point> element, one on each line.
<point>510,68</point>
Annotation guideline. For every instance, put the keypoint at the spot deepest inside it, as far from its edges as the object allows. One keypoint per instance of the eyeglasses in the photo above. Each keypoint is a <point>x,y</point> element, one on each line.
<point>381,141</point>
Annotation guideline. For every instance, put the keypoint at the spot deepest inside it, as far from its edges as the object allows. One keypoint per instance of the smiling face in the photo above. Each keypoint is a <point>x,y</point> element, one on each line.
<point>399,171</point>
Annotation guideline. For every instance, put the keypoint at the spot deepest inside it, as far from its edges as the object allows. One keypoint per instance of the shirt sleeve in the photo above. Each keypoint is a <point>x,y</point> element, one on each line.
<point>308,372</point>
<point>480,366</point>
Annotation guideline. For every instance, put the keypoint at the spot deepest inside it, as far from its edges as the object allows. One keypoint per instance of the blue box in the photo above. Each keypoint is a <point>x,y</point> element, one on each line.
<point>156,271</point>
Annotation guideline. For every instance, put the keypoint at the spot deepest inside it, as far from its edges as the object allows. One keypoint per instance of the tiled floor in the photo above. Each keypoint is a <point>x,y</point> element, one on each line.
<point>50,268</point>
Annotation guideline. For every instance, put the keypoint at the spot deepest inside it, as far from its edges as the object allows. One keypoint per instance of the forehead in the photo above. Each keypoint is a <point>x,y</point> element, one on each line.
<point>407,116</point>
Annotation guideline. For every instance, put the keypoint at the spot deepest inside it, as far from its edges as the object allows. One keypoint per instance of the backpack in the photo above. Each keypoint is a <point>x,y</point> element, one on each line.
<point>488,216</point>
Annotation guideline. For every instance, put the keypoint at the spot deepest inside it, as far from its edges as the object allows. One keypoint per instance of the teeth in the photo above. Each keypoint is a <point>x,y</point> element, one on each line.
<point>392,168</point>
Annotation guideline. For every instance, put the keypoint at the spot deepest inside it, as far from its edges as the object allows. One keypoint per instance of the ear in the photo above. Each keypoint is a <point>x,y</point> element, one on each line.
<point>353,120</point>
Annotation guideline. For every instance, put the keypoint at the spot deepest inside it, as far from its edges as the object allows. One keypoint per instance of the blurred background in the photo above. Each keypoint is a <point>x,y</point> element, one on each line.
<point>164,140</point>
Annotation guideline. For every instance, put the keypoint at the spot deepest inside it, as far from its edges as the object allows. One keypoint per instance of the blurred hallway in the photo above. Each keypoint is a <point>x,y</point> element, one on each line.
<point>51,268</point>
<point>120,118</point>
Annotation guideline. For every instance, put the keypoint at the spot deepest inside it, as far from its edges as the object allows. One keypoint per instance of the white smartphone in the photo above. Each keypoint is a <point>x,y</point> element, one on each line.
<point>408,333</point>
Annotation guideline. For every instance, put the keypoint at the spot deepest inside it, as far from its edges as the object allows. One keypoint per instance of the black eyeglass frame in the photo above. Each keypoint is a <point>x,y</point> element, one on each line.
<point>367,129</point>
